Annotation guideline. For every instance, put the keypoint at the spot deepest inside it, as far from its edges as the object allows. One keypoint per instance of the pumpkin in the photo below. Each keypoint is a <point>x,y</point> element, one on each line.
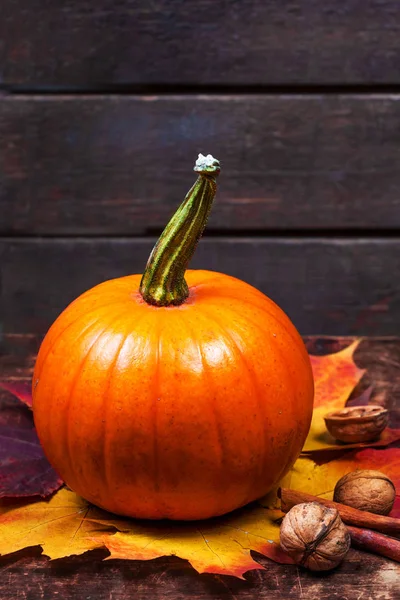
<point>179,394</point>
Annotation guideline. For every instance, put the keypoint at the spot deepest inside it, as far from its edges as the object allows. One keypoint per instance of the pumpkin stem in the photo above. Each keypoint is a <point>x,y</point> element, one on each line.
<point>163,281</point>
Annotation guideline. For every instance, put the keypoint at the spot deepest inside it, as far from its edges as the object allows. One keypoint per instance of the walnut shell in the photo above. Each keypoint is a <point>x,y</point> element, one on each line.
<point>357,423</point>
<point>366,490</point>
<point>314,536</point>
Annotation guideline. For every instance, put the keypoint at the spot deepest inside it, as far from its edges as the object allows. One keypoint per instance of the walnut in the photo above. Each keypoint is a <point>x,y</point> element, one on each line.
<point>314,536</point>
<point>357,423</point>
<point>366,490</point>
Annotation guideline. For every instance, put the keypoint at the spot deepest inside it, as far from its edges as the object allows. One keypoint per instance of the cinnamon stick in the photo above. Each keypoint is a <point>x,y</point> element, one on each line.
<point>366,539</point>
<point>349,515</point>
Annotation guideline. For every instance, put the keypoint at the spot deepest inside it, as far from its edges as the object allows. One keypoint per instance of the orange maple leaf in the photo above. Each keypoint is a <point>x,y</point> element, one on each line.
<point>61,526</point>
<point>335,377</point>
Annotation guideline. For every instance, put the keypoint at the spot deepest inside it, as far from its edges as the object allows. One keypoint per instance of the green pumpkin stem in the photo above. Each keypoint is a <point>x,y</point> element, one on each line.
<point>163,281</point>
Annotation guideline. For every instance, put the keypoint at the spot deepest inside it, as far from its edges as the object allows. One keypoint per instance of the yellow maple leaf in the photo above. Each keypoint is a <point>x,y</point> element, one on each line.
<point>61,525</point>
<point>219,545</point>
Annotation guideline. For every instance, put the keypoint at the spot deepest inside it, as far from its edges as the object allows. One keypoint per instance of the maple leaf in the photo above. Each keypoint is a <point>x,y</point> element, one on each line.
<point>335,377</point>
<point>62,526</point>
<point>222,545</point>
<point>24,469</point>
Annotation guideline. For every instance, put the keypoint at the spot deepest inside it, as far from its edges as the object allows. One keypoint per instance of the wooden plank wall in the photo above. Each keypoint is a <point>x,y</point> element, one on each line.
<point>104,107</point>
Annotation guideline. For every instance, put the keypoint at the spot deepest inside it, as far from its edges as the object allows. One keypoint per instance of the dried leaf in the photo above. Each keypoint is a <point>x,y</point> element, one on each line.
<point>220,545</point>
<point>62,526</point>
<point>24,469</point>
<point>20,389</point>
<point>335,377</point>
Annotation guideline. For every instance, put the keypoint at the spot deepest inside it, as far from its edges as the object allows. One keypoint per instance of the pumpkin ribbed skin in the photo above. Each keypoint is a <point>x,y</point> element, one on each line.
<point>179,412</point>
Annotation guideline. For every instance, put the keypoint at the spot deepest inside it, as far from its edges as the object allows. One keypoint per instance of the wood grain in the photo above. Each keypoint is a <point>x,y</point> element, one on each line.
<point>120,165</point>
<point>81,44</point>
<point>330,286</point>
<point>361,575</point>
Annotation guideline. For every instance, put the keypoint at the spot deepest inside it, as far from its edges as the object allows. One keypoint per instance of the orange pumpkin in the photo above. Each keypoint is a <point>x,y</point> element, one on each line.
<point>165,397</point>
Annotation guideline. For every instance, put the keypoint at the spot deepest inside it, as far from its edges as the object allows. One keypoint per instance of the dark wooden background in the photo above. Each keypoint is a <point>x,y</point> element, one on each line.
<point>105,105</point>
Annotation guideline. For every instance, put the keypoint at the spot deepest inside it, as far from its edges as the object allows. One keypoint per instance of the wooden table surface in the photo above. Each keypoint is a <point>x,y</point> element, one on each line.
<point>361,576</point>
